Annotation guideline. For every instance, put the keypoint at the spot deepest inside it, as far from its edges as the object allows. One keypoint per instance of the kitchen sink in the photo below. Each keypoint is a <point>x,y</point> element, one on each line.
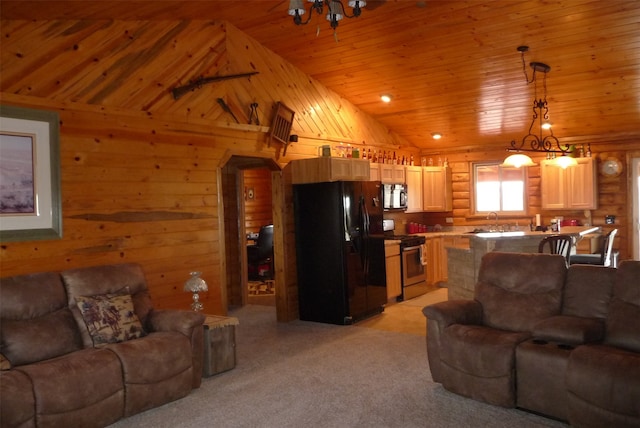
<point>479,231</point>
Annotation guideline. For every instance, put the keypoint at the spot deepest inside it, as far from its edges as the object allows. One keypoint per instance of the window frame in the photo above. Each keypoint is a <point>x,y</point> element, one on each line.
<point>501,213</point>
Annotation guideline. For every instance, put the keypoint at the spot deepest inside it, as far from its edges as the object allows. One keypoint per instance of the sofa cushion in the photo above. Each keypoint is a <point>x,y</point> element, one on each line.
<point>540,371</point>
<point>110,318</point>
<point>55,334</point>
<point>587,291</point>
<point>623,320</point>
<point>623,325</point>
<point>479,362</point>
<point>570,330</point>
<point>603,386</point>
<point>107,279</point>
<point>31,296</point>
<point>18,403</point>
<point>82,389</point>
<point>157,369</point>
<point>517,290</point>
<point>480,350</point>
<point>34,310</point>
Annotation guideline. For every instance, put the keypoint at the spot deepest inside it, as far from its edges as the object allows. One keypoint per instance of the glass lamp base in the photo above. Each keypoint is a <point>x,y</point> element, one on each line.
<point>196,305</point>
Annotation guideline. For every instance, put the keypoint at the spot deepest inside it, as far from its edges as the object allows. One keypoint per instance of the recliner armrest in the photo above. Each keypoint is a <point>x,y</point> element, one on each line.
<point>181,321</point>
<point>455,312</point>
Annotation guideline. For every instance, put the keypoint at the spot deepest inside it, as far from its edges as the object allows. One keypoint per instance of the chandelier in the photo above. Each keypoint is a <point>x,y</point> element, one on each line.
<point>538,142</point>
<point>335,10</point>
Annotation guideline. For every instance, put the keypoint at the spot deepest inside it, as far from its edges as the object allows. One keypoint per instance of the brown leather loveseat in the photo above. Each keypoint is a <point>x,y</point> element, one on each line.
<point>563,342</point>
<point>84,347</point>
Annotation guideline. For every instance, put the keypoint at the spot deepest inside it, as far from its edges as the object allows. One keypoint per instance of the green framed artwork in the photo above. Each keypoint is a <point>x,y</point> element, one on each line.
<point>30,203</point>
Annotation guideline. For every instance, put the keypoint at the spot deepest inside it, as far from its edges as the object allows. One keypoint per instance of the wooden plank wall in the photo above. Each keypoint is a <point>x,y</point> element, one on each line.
<point>257,210</point>
<point>311,101</point>
<point>233,251</point>
<point>286,264</point>
<point>140,169</point>
<point>130,194</point>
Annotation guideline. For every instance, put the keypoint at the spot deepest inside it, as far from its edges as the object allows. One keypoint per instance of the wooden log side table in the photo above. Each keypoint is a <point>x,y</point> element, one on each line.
<point>219,344</point>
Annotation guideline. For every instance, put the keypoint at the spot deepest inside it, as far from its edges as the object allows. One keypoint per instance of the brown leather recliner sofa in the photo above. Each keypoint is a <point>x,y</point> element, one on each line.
<point>84,347</point>
<point>562,342</point>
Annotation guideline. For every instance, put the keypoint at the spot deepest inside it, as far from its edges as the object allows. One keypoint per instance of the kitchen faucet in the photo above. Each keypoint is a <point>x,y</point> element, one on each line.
<point>495,214</point>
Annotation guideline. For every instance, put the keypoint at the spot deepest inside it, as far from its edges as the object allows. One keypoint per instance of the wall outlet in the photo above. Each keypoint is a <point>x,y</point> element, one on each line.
<point>610,219</point>
<point>449,219</point>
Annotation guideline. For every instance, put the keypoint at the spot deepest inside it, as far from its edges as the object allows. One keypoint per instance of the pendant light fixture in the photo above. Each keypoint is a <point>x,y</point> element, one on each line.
<point>517,160</point>
<point>538,142</point>
<point>336,10</point>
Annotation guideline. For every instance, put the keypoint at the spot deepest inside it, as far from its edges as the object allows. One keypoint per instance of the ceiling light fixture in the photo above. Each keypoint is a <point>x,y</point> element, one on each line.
<point>517,160</point>
<point>540,143</point>
<point>385,98</point>
<point>436,135</point>
<point>336,10</point>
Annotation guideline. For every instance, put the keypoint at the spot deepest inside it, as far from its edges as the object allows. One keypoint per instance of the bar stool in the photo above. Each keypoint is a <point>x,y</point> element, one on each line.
<point>606,257</point>
<point>558,244</point>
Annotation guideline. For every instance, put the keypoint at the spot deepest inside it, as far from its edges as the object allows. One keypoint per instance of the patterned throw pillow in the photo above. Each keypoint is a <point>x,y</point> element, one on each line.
<point>110,318</point>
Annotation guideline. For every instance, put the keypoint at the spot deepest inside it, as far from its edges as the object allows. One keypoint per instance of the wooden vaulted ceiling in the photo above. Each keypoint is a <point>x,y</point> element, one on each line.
<point>451,66</point>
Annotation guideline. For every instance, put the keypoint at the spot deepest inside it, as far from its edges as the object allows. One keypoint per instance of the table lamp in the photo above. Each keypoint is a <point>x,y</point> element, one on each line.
<point>195,284</point>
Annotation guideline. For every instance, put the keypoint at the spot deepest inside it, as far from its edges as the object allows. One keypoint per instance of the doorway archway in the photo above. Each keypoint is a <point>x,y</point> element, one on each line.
<point>233,249</point>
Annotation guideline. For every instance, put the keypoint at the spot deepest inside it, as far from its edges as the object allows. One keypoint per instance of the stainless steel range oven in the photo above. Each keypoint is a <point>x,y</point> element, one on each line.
<point>414,282</point>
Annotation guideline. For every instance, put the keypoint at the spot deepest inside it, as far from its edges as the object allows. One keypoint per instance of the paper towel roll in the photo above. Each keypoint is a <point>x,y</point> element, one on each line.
<point>538,223</point>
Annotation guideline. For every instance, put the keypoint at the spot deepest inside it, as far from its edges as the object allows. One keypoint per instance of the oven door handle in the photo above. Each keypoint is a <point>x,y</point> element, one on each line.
<point>421,251</point>
<point>417,247</point>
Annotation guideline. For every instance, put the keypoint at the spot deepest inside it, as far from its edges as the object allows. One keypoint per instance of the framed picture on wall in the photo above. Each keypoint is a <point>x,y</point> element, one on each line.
<point>30,204</point>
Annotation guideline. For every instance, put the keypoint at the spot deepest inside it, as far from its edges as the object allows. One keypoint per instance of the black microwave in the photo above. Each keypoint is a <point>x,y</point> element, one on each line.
<point>394,197</point>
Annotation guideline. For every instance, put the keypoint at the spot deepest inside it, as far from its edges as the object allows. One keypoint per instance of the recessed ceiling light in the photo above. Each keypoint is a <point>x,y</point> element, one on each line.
<point>386,98</point>
<point>436,135</point>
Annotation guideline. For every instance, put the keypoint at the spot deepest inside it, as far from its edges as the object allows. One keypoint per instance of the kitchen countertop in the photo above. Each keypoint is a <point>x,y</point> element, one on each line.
<point>577,231</point>
<point>464,256</point>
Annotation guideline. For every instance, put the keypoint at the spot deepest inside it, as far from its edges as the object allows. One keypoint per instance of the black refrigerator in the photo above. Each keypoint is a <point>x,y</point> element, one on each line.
<point>340,251</point>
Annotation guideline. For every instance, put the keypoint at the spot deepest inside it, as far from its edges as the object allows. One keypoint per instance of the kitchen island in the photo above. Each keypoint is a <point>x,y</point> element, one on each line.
<point>464,263</point>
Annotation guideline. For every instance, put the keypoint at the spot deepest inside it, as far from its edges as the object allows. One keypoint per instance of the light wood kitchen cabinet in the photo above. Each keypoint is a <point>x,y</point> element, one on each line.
<point>436,189</point>
<point>571,188</point>
<point>360,169</point>
<point>394,275</point>
<point>436,269</point>
<point>392,174</point>
<point>413,175</point>
<point>324,169</point>
<point>583,184</point>
<point>374,172</point>
<point>553,186</point>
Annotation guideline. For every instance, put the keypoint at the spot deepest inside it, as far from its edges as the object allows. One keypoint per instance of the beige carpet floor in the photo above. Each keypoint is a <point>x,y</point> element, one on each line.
<point>305,374</point>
